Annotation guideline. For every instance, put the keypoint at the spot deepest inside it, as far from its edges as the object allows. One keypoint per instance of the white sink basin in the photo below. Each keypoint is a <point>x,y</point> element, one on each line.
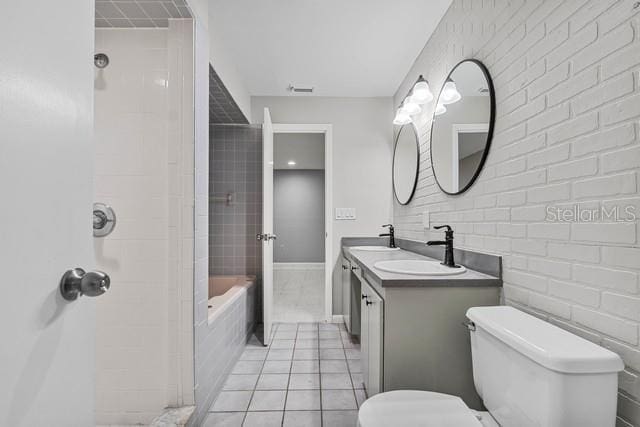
<point>374,248</point>
<point>418,267</point>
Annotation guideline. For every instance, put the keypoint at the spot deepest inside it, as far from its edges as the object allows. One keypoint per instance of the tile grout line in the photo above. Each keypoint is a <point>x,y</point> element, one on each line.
<point>346,361</point>
<point>253,392</point>
<point>316,328</point>
<point>286,393</point>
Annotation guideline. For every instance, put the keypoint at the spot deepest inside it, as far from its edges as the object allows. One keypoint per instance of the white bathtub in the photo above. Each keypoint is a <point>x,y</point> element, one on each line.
<point>225,290</point>
<point>231,323</point>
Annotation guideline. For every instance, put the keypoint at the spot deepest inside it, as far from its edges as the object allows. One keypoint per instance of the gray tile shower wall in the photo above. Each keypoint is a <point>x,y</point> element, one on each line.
<point>139,14</point>
<point>236,170</point>
<point>222,107</point>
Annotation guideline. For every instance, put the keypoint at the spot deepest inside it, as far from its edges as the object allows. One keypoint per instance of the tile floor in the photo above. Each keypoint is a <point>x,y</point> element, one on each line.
<point>298,294</point>
<point>310,376</point>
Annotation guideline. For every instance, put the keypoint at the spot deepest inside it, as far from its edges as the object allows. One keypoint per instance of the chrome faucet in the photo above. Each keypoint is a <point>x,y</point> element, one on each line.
<point>448,246</point>
<point>392,239</point>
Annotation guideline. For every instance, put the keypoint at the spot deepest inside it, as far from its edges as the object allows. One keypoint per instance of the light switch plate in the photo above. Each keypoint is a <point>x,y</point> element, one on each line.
<point>345,213</point>
<point>425,220</point>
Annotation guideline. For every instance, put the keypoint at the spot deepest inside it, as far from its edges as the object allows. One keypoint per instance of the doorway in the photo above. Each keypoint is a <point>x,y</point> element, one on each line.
<point>299,224</point>
<point>297,195</point>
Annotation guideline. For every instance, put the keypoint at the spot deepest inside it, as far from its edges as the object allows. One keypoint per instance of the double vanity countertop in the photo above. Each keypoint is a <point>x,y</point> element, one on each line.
<point>366,260</point>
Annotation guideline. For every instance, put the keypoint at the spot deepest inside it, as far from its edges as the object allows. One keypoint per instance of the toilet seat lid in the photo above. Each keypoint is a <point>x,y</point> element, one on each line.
<point>412,408</point>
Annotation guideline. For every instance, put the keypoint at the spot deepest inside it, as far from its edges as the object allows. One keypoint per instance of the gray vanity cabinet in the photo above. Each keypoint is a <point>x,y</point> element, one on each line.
<point>371,335</point>
<point>413,337</point>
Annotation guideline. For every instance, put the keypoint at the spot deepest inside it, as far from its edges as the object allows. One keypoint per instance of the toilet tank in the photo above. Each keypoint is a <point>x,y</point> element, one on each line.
<point>532,373</point>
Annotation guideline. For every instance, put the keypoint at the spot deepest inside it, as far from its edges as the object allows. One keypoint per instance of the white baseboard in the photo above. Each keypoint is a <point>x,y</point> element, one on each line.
<point>298,265</point>
<point>337,318</point>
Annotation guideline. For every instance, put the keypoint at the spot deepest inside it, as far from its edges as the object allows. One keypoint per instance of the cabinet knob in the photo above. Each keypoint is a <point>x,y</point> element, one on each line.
<point>354,267</point>
<point>344,267</point>
<point>364,296</point>
<point>368,302</point>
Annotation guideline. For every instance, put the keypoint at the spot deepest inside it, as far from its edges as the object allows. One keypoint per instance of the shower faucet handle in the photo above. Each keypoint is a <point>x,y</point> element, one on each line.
<point>104,220</point>
<point>76,282</point>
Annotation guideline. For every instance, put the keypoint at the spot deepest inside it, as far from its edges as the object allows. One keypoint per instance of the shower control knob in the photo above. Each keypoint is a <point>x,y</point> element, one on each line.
<point>76,282</point>
<point>104,220</point>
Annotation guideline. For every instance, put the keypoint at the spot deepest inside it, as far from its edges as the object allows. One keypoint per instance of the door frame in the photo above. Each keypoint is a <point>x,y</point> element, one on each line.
<point>457,129</point>
<point>327,131</point>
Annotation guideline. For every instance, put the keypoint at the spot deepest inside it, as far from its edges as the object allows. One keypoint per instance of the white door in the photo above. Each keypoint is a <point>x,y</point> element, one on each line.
<point>47,375</point>
<point>267,235</point>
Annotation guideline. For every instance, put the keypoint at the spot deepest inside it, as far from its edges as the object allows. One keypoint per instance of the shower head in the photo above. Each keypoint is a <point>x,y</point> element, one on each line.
<point>100,60</point>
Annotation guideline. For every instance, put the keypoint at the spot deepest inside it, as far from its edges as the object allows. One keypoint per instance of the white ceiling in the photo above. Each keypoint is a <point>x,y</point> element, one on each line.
<point>305,149</point>
<point>342,48</point>
<point>471,143</point>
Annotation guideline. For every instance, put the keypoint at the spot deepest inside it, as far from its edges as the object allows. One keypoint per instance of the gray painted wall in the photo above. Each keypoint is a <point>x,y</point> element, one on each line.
<point>467,167</point>
<point>299,215</point>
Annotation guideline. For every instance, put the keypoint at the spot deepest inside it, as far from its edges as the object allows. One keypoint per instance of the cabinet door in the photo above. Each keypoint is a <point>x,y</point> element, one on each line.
<point>364,334</point>
<point>355,305</point>
<point>375,325</point>
<point>346,293</point>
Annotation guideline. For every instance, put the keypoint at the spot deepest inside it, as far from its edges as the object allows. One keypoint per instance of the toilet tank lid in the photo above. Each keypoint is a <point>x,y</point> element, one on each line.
<point>544,343</point>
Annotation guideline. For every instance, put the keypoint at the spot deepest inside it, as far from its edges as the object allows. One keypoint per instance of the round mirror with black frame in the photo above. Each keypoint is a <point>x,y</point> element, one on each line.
<point>406,162</point>
<point>462,126</point>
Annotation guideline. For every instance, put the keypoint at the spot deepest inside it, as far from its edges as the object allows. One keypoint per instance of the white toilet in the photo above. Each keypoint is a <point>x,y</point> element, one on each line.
<point>527,372</point>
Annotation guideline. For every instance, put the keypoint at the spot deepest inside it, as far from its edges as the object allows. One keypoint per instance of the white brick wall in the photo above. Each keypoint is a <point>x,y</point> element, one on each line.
<point>566,75</point>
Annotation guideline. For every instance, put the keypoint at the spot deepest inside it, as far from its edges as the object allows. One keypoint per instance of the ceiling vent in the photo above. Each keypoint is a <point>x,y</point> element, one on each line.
<point>300,89</point>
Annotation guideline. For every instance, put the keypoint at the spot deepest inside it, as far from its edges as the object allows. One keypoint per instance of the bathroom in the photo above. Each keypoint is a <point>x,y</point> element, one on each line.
<point>308,214</point>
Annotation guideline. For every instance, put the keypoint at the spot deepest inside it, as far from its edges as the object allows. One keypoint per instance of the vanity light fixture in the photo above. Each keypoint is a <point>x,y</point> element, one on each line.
<point>409,107</point>
<point>291,163</point>
<point>419,94</point>
<point>450,93</point>
<point>440,109</point>
<point>401,118</point>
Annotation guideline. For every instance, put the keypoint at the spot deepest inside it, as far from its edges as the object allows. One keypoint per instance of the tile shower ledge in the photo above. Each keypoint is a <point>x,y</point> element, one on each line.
<point>366,261</point>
